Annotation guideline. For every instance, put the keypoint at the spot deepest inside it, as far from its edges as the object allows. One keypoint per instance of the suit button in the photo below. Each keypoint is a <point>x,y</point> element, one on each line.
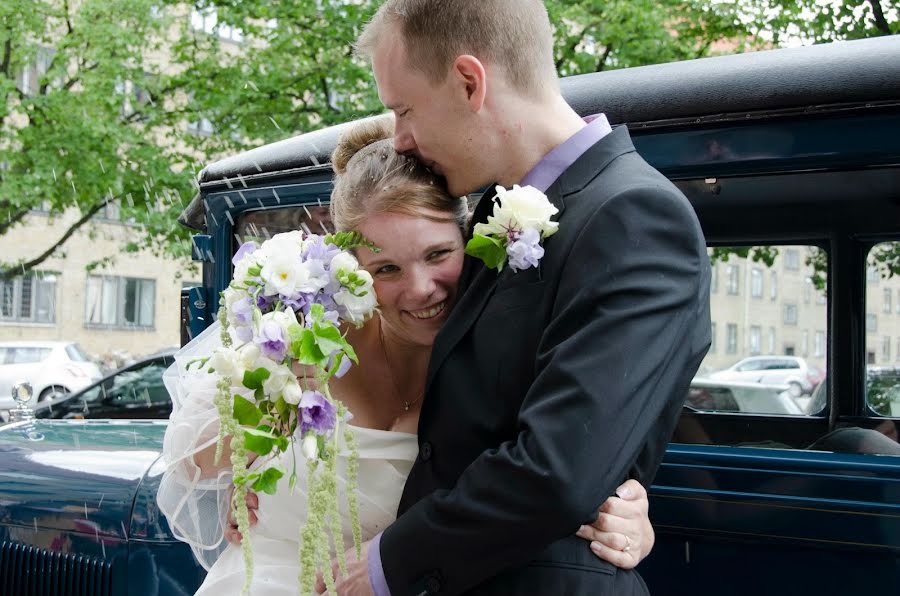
<point>425,451</point>
<point>433,583</point>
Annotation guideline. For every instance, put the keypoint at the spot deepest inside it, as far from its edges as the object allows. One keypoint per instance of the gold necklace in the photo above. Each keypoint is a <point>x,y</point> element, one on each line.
<point>406,404</point>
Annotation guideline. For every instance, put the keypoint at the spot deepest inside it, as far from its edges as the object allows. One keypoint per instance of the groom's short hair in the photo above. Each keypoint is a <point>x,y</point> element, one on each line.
<point>513,34</point>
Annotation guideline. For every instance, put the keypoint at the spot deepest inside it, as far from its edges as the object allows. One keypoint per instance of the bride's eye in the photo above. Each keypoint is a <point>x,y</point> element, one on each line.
<point>386,270</point>
<point>438,254</point>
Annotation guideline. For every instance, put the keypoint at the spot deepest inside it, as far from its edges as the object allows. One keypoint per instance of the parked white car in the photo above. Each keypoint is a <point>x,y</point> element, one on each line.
<point>53,368</point>
<point>800,377</point>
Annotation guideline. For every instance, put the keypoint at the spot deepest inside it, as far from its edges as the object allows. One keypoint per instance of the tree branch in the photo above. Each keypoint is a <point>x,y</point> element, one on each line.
<point>602,61</point>
<point>880,22</point>
<point>7,55</point>
<point>12,220</point>
<point>26,266</point>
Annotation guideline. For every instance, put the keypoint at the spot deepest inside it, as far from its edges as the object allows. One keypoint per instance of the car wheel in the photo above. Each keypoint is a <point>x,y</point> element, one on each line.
<point>795,389</point>
<point>52,392</point>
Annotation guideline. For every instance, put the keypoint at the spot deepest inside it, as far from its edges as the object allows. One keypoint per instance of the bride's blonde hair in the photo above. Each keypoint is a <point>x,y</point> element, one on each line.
<point>371,177</point>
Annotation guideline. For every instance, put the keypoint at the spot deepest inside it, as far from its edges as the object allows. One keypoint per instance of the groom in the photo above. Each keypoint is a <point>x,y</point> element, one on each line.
<point>540,374</point>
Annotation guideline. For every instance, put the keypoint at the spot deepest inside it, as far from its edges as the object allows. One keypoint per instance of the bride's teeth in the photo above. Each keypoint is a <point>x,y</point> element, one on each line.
<point>430,313</point>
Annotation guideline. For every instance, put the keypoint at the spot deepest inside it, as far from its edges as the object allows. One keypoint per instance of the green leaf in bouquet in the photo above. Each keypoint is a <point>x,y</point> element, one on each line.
<point>258,441</point>
<point>282,443</point>
<point>282,408</point>
<point>253,379</point>
<point>268,481</point>
<point>309,352</point>
<point>328,338</point>
<point>350,240</point>
<point>245,412</point>
<point>489,249</point>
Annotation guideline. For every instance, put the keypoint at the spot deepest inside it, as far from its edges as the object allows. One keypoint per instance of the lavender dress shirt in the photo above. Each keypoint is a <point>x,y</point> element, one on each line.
<point>541,176</point>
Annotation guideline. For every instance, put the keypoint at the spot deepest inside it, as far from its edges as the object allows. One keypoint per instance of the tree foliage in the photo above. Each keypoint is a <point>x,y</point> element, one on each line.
<point>127,99</point>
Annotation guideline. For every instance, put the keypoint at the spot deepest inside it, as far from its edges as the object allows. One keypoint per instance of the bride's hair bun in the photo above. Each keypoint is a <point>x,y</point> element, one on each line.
<point>358,137</point>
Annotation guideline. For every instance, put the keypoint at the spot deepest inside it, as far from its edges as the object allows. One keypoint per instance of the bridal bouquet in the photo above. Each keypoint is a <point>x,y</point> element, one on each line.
<point>283,308</point>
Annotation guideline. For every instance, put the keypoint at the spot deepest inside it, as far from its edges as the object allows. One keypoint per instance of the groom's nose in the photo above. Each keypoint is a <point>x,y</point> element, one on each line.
<point>404,142</point>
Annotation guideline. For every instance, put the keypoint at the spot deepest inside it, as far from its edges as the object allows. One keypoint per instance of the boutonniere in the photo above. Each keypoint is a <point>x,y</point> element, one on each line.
<point>520,222</point>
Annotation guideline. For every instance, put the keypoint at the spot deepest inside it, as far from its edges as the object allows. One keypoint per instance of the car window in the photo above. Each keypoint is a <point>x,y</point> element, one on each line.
<point>76,354</point>
<point>770,316</point>
<point>261,224</point>
<point>29,355</point>
<point>883,330</point>
<point>143,384</point>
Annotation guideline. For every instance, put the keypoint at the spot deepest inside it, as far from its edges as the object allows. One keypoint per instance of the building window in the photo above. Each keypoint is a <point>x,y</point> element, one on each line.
<point>773,285</point>
<point>789,350</point>
<point>790,314</point>
<point>872,275</point>
<point>119,302</point>
<point>207,21</point>
<point>871,323</point>
<point>771,340</point>
<point>29,298</point>
<point>886,349</point>
<point>714,279</point>
<point>888,294</point>
<point>712,345</point>
<point>819,345</point>
<point>898,302</point>
<point>807,291</point>
<point>731,338</point>
<point>804,345</point>
<point>820,296</point>
<point>734,279</point>
<point>755,339</point>
<point>792,259</point>
<point>756,283</point>
<point>897,353</point>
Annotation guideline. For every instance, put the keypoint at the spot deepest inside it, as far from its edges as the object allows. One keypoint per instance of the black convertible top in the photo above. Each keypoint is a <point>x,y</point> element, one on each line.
<point>675,94</point>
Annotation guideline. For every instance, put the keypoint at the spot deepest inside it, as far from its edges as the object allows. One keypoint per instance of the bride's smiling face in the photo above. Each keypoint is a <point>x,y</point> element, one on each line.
<point>416,273</point>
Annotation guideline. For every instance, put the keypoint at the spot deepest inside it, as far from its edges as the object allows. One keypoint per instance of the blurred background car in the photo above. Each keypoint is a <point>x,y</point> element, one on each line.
<point>707,395</point>
<point>800,377</point>
<point>54,368</point>
<point>135,391</point>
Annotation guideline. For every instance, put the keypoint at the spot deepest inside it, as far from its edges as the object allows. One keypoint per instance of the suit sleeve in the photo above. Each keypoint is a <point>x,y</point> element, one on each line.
<point>610,365</point>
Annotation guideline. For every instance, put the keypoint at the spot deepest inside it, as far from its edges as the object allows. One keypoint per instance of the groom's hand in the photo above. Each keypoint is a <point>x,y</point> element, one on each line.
<point>622,534</point>
<point>232,534</point>
<point>356,582</point>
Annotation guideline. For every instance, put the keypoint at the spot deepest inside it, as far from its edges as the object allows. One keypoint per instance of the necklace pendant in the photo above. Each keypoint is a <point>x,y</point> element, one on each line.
<point>406,406</point>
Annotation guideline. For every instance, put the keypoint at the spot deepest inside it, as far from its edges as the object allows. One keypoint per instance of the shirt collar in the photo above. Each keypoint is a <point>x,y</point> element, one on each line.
<point>551,167</point>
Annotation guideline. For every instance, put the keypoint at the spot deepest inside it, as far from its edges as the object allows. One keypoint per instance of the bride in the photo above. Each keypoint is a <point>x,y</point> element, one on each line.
<point>406,211</point>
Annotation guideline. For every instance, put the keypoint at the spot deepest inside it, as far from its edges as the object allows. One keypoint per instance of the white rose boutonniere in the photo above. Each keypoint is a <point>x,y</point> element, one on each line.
<point>515,230</point>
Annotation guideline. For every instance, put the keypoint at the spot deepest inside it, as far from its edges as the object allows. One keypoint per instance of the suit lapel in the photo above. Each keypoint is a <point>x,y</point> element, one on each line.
<point>480,283</point>
<point>477,282</point>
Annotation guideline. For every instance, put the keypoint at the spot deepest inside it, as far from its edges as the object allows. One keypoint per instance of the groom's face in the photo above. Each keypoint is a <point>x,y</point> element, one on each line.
<point>433,122</point>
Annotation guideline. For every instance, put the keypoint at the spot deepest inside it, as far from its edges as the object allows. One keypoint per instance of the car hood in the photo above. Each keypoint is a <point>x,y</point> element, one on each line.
<point>76,475</point>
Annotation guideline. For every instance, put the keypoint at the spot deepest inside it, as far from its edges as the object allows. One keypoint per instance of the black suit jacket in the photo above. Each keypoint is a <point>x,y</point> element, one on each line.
<point>549,387</point>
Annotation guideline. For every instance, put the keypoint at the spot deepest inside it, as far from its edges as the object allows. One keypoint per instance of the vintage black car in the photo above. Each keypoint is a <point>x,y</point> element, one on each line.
<point>790,158</point>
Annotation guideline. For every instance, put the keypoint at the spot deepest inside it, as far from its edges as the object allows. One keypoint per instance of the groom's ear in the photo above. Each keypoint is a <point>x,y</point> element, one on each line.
<point>470,80</point>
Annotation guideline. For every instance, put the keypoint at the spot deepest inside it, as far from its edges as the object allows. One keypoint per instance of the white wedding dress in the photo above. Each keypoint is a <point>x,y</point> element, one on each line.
<point>196,508</point>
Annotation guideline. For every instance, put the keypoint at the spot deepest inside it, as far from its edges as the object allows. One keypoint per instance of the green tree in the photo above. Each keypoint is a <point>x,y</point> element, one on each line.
<point>114,85</point>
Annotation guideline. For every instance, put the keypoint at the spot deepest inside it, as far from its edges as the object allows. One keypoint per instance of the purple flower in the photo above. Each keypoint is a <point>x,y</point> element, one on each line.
<point>526,250</point>
<point>264,302</point>
<point>316,413</point>
<point>271,341</point>
<point>243,334</point>
<point>243,311</point>
<point>318,250</point>
<point>247,248</point>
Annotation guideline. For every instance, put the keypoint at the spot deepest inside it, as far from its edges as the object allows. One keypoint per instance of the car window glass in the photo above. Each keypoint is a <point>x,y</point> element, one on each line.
<point>261,224</point>
<point>29,355</point>
<point>883,331</point>
<point>143,384</point>
<point>76,354</point>
<point>770,306</point>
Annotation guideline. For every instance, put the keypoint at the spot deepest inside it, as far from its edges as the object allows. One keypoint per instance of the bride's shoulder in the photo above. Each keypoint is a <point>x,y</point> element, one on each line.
<point>364,338</point>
